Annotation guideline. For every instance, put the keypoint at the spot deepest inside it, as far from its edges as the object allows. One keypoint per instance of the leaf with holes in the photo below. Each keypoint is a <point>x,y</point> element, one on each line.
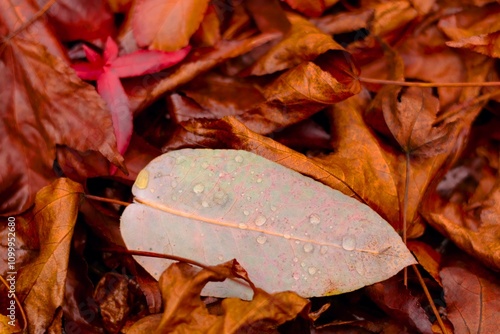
<point>287,230</point>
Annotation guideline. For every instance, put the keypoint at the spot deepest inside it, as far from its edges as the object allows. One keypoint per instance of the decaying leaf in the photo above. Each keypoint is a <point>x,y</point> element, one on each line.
<point>216,205</point>
<point>472,294</point>
<point>44,104</point>
<point>181,286</point>
<point>41,283</point>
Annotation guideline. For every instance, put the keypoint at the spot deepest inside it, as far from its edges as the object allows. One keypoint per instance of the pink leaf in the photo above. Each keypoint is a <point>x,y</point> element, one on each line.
<point>144,62</point>
<point>111,90</point>
<point>87,71</point>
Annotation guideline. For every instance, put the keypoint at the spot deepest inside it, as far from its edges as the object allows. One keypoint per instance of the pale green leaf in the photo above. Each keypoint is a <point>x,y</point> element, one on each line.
<point>288,231</point>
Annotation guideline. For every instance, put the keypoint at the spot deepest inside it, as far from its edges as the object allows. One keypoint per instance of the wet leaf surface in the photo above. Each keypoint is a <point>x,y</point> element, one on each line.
<point>235,204</point>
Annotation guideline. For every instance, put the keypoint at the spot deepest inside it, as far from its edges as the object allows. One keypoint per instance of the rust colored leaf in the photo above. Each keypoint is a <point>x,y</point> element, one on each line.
<point>472,295</point>
<point>304,42</point>
<point>310,8</point>
<point>44,104</point>
<point>208,34</point>
<point>116,296</point>
<point>68,17</point>
<point>145,92</point>
<point>269,16</point>
<point>184,311</point>
<point>167,25</point>
<point>487,44</point>
<point>41,283</point>
<point>427,257</point>
<point>454,221</point>
<point>303,91</point>
<point>396,300</point>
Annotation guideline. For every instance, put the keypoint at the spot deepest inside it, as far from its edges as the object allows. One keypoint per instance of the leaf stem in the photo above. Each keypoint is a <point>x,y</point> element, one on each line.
<point>429,298</point>
<point>107,200</point>
<point>430,84</point>
<point>405,208</point>
<point>174,258</point>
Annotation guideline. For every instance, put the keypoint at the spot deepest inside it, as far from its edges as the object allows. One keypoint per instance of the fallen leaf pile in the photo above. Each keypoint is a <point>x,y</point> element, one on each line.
<point>357,96</point>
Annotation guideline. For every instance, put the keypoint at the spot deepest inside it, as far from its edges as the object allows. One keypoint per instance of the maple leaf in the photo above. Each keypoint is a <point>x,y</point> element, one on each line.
<point>107,71</point>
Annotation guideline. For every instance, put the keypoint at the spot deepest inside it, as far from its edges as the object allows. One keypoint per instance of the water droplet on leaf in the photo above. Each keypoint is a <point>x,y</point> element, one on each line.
<point>308,248</point>
<point>238,158</point>
<point>314,219</point>
<point>260,220</point>
<point>312,270</point>
<point>198,189</point>
<point>261,239</point>
<point>349,242</point>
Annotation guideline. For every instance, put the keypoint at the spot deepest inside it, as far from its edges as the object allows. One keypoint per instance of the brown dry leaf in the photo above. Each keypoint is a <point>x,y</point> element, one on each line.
<point>472,295</point>
<point>221,96</point>
<point>41,283</point>
<point>427,257</point>
<point>427,46</point>
<point>396,300</point>
<point>44,104</point>
<point>309,8</point>
<point>374,176</point>
<point>488,45</point>
<point>476,29</point>
<point>303,42</point>
<point>68,16</point>
<point>142,92</point>
<point>343,22</point>
<point>167,25</point>
<point>390,16</point>
<point>451,219</point>
<point>116,296</point>
<point>6,328</point>
<point>303,91</point>
<point>269,16</point>
<point>208,34</point>
<point>185,312</point>
<point>11,18</point>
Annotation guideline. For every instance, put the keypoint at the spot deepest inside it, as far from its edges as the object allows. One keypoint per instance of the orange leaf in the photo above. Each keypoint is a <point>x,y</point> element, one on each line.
<point>167,25</point>
<point>41,283</point>
<point>185,312</point>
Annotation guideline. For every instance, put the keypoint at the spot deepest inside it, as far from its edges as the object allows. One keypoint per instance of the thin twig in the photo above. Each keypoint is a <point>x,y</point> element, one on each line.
<point>35,17</point>
<point>107,200</point>
<point>174,258</point>
<point>429,298</point>
<point>430,84</point>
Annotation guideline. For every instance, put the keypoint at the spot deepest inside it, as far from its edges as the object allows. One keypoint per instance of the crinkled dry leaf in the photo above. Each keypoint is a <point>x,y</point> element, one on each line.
<point>304,42</point>
<point>451,219</point>
<point>396,300</point>
<point>44,104</point>
<point>41,284</point>
<point>185,312</point>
